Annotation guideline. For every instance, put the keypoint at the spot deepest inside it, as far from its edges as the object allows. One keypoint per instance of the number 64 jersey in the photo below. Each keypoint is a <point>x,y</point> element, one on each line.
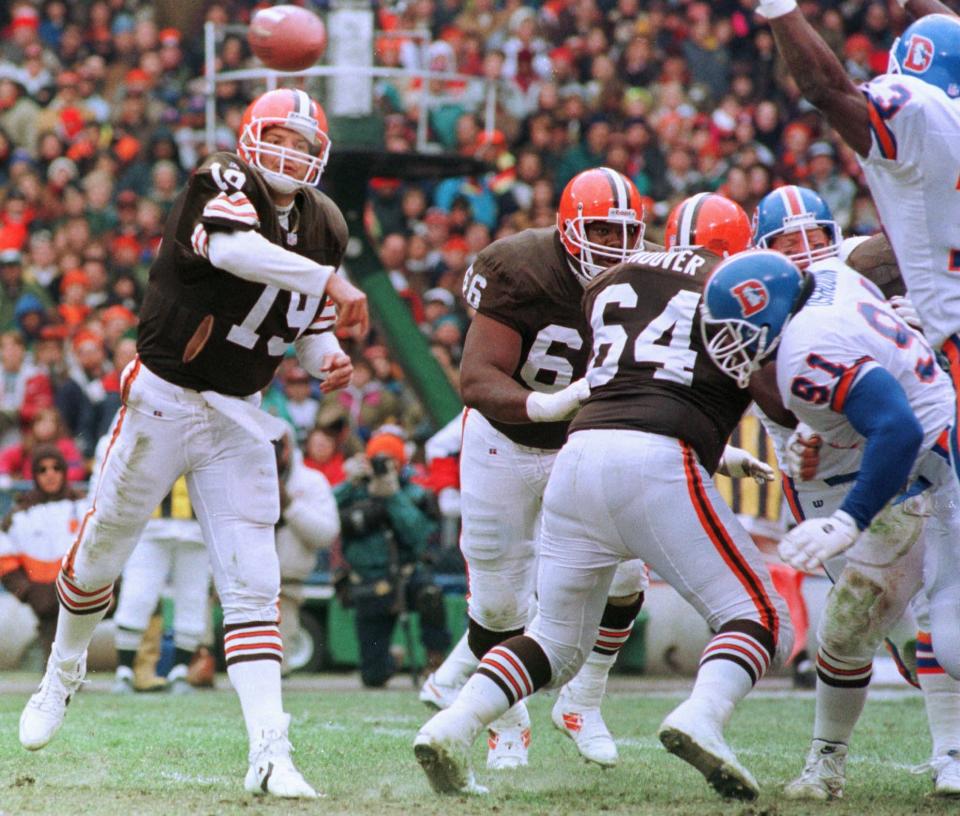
<point>649,370</point>
<point>844,330</point>
<point>206,329</point>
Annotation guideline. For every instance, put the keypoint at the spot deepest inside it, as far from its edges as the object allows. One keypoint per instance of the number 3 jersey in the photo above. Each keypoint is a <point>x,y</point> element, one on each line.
<point>206,329</point>
<point>524,282</point>
<point>913,170</point>
<point>844,330</point>
<point>649,370</point>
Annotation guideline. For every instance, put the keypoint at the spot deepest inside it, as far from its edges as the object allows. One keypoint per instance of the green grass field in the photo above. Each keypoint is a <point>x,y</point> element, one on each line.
<point>186,755</point>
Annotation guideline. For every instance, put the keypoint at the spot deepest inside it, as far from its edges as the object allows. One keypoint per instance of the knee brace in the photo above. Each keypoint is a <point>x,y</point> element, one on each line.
<point>481,640</point>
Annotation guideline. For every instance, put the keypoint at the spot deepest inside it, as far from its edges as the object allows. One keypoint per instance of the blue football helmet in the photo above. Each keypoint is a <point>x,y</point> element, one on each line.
<point>747,302</point>
<point>930,50</point>
<point>796,209</point>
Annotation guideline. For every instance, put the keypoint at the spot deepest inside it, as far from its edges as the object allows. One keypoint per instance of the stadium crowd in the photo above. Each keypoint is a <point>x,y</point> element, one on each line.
<point>101,120</point>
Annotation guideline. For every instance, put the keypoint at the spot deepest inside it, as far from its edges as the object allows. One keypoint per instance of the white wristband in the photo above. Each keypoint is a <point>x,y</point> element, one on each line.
<point>775,8</point>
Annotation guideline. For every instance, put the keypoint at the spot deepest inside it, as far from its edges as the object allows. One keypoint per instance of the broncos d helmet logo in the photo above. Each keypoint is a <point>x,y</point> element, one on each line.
<point>919,54</point>
<point>752,296</point>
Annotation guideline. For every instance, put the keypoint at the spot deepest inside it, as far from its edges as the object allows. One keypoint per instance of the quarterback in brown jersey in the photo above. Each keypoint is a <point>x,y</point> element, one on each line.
<point>522,378</point>
<point>249,254</point>
<point>633,481</point>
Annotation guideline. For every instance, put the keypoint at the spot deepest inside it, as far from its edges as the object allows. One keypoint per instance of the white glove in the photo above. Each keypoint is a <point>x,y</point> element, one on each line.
<point>802,455</point>
<point>775,8</point>
<point>815,541</point>
<point>906,311</point>
<point>738,463</point>
<point>559,406</point>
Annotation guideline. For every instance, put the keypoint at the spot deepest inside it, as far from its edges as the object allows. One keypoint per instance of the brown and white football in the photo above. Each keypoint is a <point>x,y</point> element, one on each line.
<point>287,38</point>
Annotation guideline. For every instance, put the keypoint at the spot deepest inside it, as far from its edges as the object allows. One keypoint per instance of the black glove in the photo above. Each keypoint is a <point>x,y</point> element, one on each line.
<point>341,588</point>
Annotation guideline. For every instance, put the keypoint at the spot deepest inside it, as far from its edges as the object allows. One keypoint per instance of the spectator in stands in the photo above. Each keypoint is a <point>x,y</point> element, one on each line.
<point>25,390</point>
<point>36,535</point>
<point>322,453</point>
<point>13,287</point>
<point>301,406</point>
<point>47,428</point>
<point>837,191</point>
<point>386,523</point>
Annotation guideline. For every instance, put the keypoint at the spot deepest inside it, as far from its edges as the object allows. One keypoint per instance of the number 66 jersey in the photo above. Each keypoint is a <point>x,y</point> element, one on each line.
<point>205,329</point>
<point>845,329</point>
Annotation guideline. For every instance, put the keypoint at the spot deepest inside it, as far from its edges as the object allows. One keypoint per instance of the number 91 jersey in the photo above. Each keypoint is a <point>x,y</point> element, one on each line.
<point>649,370</point>
<point>844,330</point>
<point>523,282</point>
<point>206,329</point>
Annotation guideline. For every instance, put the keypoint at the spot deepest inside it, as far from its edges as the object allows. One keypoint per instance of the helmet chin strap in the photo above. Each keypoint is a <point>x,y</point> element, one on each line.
<point>280,183</point>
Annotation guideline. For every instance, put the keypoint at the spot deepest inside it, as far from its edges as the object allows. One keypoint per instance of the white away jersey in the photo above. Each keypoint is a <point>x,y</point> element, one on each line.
<point>913,171</point>
<point>844,330</point>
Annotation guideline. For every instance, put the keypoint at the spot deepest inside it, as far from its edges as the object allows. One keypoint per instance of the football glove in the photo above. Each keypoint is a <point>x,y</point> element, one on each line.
<point>775,8</point>
<point>907,312</point>
<point>738,464</point>
<point>815,541</point>
<point>559,406</point>
<point>802,456</point>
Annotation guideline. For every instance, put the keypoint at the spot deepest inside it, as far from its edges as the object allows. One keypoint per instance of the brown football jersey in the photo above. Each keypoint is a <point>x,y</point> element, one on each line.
<point>206,329</point>
<point>649,370</point>
<point>524,282</point>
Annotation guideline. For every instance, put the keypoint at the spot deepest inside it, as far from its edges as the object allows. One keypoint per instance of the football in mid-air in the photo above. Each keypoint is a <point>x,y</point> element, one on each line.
<point>287,38</point>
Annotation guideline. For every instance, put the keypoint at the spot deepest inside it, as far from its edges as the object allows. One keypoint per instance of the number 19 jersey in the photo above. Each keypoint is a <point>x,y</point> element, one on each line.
<point>649,370</point>
<point>206,329</point>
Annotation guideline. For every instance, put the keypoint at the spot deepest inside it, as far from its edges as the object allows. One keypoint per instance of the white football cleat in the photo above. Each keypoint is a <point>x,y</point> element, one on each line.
<point>585,726</point>
<point>697,739</point>
<point>123,681</point>
<point>436,695</point>
<point>946,774</point>
<point>442,747</point>
<point>508,739</point>
<point>823,775</point>
<point>271,769</point>
<point>44,712</point>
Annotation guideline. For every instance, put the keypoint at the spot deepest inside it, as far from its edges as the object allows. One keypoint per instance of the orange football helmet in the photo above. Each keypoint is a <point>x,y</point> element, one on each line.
<point>600,194</point>
<point>294,109</point>
<point>711,222</point>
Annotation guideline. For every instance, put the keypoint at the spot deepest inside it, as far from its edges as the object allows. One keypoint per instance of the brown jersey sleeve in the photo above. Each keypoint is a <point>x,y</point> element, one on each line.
<point>495,287</point>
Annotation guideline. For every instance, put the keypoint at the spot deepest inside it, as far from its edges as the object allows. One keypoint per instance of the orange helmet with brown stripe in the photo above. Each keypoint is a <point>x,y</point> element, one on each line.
<point>711,222</point>
<point>288,168</point>
<point>599,195</point>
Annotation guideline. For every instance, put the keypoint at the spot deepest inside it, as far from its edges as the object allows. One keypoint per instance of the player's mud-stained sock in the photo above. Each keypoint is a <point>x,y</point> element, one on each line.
<point>732,662</point>
<point>841,693</point>
<point>481,640</point>
<point>458,665</point>
<point>81,609</point>
<point>254,652</point>
<point>588,686</point>
<point>941,696</point>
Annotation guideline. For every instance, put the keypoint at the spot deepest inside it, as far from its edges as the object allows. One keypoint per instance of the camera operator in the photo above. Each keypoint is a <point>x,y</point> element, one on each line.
<point>308,523</point>
<point>386,522</point>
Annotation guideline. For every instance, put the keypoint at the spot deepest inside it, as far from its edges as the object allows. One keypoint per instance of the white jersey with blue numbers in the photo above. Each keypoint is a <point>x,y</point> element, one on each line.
<point>913,171</point>
<point>845,330</point>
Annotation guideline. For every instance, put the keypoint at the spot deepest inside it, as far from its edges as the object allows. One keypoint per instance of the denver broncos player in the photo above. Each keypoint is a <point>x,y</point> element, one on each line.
<point>870,592</point>
<point>249,253</point>
<point>849,368</point>
<point>522,379</point>
<point>648,437</point>
<point>905,127</point>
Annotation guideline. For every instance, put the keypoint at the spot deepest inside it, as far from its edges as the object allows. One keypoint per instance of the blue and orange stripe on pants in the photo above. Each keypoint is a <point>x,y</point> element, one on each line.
<point>951,350</point>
